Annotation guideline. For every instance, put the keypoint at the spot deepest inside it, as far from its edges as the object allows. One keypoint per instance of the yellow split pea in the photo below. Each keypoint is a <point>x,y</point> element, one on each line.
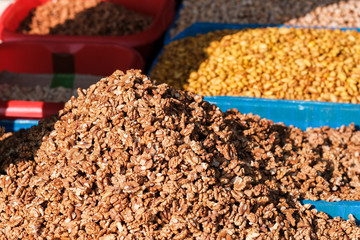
<point>282,63</point>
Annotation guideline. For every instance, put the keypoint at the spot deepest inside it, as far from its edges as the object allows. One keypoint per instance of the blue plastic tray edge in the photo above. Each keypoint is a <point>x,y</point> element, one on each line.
<point>337,209</point>
<point>16,125</point>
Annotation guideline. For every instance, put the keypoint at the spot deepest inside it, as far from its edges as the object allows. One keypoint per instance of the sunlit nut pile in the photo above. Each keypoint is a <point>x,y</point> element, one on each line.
<point>282,63</point>
<point>318,164</point>
<point>334,13</point>
<point>128,159</point>
<point>175,63</point>
<point>79,17</point>
<point>344,13</point>
<point>37,93</point>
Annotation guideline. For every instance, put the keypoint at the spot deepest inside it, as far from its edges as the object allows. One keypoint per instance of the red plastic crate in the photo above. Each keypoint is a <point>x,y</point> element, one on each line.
<point>94,59</point>
<point>162,11</point>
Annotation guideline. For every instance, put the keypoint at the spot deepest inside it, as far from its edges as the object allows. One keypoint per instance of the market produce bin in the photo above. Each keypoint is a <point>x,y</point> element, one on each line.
<point>162,12</point>
<point>301,114</point>
<point>337,209</point>
<point>64,63</point>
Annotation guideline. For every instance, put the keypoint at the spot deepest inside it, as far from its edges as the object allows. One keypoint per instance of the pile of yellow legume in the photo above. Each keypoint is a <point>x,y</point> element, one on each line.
<point>282,63</point>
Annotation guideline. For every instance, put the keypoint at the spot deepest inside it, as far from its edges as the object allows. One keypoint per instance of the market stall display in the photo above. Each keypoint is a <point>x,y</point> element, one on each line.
<point>237,132</point>
<point>78,17</point>
<point>325,13</point>
<point>161,13</point>
<point>45,67</point>
<point>128,158</point>
<point>281,63</point>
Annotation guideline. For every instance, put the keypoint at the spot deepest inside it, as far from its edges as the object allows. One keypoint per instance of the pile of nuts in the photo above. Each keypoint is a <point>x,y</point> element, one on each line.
<point>184,56</point>
<point>344,13</point>
<point>36,93</point>
<point>129,159</point>
<point>78,17</point>
<point>329,13</point>
<point>281,63</point>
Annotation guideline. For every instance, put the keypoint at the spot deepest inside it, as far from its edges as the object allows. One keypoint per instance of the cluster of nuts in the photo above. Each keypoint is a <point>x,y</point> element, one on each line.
<point>281,63</point>
<point>184,56</point>
<point>79,17</point>
<point>340,13</point>
<point>36,93</point>
<point>334,13</point>
<point>128,159</point>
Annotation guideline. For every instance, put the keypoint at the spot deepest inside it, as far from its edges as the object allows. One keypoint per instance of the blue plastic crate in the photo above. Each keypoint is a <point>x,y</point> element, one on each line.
<point>16,125</point>
<point>337,209</point>
<point>301,114</point>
